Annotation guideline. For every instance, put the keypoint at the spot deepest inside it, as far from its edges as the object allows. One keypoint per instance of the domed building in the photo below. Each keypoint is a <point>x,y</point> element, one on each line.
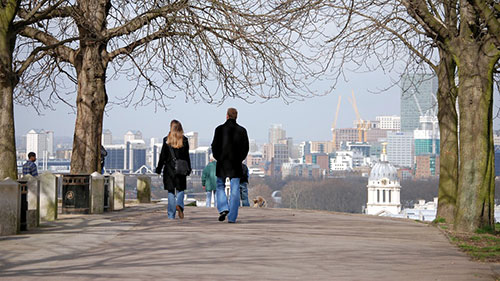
<point>383,189</point>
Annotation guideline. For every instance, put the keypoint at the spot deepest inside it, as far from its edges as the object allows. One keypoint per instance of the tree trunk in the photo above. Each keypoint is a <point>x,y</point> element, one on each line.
<point>90,65</point>
<point>476,186</point>
<point>91,101</point>
<point>448,122</point>
<point>8,164</point>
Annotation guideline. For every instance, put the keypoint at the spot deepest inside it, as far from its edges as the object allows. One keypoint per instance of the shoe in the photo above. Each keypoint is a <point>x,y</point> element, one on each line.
<point>180,211</point>
<point>231,221</point>
<point>223,215</point>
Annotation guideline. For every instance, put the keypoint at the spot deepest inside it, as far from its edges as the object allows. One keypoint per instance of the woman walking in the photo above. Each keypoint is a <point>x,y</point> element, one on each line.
<point>174,159</point>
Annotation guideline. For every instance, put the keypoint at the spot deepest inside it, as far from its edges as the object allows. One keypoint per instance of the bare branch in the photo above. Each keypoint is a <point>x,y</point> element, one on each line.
<point>65,53</point>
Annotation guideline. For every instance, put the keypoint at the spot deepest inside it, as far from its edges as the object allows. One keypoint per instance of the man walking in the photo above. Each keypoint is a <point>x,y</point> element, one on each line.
<point>29,168</point>
<point>230,148</point>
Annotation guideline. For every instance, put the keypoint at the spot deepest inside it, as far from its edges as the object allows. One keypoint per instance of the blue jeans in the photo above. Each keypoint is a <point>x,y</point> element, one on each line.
<point>209,198</point>
<point>244,194</point>
<point>173,201</point>
<point>234,203</point>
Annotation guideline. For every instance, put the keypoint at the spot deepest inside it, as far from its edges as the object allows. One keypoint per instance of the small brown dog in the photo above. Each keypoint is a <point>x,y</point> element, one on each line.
<point>259,202</point>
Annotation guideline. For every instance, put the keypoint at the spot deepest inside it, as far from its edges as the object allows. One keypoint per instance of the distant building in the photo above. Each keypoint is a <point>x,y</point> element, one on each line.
<point>253,147</point>
<point>41,142</point>
<point>132,135</point>
<point>376,135</point>
<point>276,133</point>
<point>193,139</point>
<point>254,159</point>
<point>418,98</point>
<point>126,157</point>
<point>383,190</point>
<point>107,137</point>
<point>301,170</point>
<point>427,136</point>
<point>362,147</point>
<point>199,157</point>
<point>321,147</point>
<point>392,122</point>
<point>426,166</point>
<point>345,135</point>
<point>320,159</point>
<point>400,148</point>
<point>344,160</point>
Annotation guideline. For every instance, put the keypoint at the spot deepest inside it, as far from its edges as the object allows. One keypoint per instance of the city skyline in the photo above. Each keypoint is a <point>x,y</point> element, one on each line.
<point>297,117</point>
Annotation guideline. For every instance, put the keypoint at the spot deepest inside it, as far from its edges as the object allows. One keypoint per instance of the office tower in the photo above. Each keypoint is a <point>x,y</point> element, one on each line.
<point>400,148</point>
<point>129,156</point>
<point>342,136</point>
<point>418,98</point>
<point>193,139</point>
<point>276,133</point>
<point>107,137</point>
<point>38,141</point>
<point>427,136</point>
<point>132,135</point>
<point>389,122</point>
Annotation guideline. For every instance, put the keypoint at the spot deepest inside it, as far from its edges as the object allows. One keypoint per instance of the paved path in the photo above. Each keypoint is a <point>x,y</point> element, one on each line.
<point>265,244</point>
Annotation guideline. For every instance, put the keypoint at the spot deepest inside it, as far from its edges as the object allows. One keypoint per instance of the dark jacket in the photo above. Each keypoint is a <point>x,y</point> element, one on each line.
<point>244,177</point>
<point>230,148</point>
<point>171,181</point>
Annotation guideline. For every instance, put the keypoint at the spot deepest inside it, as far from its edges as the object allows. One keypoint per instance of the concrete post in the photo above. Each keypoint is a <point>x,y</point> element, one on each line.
<point>33,216</point>
<point>144,189</point>
<point>118,191</point>
<point>10,207</point>
<point>48,196</point>
<point>96,193</point>
<point>111,191</point>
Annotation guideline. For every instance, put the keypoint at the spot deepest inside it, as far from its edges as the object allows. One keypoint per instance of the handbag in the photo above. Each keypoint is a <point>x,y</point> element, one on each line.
<point>181,166</point>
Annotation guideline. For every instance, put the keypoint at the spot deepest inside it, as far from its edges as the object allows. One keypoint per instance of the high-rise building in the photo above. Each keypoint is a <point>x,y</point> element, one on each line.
<point>193,139</point>
<point>400,148</point>
<point>253,147</point>
<point>200,158</point>
<point>107,137</point>
<point>392,122</point>
<point>41,142</point>
<point>342,136</point>
<point>129,156</point>
<point>427,136</point>
<point>418,98</point>
<point>132,135</point>
<point>276,133</point>
<point>376,135</point>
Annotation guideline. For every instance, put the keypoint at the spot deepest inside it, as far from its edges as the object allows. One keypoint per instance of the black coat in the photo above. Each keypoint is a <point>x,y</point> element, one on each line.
<point>171,181</point>
<point>230,148</point>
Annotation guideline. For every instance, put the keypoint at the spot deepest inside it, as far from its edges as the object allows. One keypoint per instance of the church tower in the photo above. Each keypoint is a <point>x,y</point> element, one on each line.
<point>383,188</point>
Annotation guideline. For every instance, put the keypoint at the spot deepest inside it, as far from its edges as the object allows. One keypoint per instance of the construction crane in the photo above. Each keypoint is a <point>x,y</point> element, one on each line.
<point>362,125</point>
<point>334,124</point>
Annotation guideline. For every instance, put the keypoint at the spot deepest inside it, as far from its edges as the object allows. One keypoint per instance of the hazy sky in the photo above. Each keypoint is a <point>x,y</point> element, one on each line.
<point>305,120</point>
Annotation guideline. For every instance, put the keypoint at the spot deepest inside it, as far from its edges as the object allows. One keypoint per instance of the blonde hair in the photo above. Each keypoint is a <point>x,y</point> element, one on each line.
<point>175,136</point>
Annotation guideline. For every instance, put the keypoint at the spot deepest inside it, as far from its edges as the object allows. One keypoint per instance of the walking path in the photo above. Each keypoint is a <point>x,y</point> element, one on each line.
<point>266,244</point>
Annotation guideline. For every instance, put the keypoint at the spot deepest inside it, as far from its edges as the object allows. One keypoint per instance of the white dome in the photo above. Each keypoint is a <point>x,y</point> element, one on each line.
<point>383,170</point>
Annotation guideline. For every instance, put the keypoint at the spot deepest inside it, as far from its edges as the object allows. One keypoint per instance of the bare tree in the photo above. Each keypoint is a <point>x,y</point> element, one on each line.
<point>206,50</point>
<point>435,37</point>
<point>14,66</point>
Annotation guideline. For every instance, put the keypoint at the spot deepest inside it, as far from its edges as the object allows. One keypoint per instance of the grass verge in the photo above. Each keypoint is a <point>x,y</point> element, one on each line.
<point>484,245</point>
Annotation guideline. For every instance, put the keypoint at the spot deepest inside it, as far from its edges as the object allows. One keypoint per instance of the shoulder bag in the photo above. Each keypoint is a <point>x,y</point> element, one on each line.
<point>181,167</point>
